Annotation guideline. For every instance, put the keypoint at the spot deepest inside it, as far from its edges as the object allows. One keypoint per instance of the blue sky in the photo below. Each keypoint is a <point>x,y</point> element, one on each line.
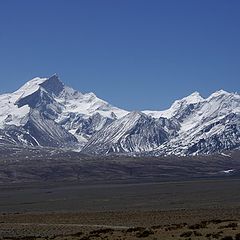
<point>136,54</point>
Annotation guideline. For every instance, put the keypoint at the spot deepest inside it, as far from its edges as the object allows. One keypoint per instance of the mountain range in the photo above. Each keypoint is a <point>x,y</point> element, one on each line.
<point>45,112</point>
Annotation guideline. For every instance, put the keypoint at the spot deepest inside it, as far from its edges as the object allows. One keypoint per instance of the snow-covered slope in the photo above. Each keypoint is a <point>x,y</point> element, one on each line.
<point>179,107</point>
<point>46,112</point>
<point>84,114</point>
<point>52,113</point>
<point>135,132</point>
<point>193,125</point>
<point>211,125</point>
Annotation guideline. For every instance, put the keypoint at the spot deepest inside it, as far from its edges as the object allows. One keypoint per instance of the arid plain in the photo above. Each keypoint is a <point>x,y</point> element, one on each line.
<point>119,197</point>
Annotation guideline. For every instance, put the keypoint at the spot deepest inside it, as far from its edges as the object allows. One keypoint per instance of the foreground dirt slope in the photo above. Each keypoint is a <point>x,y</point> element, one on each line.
<point>175,224</point>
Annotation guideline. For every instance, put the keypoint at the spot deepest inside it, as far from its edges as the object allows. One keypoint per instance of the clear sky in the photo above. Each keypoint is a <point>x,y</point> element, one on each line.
<point>135,54</point>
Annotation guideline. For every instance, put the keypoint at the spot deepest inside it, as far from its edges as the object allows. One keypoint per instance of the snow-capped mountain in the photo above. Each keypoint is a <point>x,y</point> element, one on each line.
<point>207,125</point>
<point>46,112</point>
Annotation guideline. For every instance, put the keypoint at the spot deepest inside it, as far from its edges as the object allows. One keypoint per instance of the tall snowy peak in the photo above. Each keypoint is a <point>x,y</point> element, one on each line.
<point>67,111</point>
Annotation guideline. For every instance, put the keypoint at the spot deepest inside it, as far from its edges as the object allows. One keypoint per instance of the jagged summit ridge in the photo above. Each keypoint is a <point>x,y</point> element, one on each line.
<point>58,106</point>
<point>46,112</point>
<point>135,132</point>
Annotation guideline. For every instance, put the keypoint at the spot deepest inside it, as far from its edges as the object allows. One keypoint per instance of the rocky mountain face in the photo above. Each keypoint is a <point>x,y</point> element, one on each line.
<point>135,132</point>
<point>207,126</point>
<point>45,112</point>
